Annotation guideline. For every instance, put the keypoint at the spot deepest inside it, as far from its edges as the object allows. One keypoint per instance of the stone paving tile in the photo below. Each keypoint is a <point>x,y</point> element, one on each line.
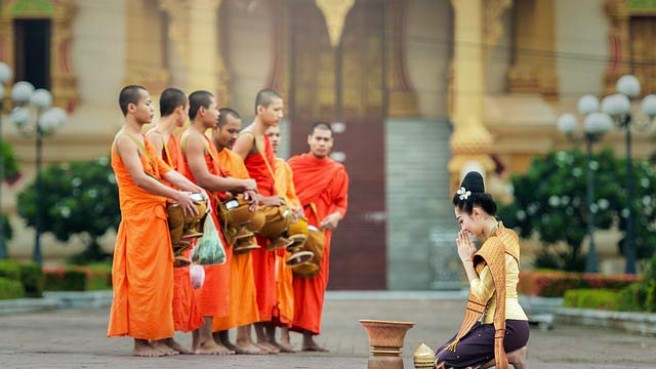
<point>76,339</point>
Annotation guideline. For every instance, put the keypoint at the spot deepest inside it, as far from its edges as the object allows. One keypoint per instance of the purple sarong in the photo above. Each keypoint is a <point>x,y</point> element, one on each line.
<point>477,347</point>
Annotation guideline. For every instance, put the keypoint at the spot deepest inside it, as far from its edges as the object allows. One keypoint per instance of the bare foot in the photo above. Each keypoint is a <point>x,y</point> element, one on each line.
<point>221,338</point>
<point>143,348</point>
<point>271,349</point>
<point>164,348</point>
<point>212,348</point>
<point>314,347</point>
<point>249,348</point>
<point>310,345</point>
<point>178,347</point>
<point>285,347</point>
<point>230,346</point>
<point>518,358</point>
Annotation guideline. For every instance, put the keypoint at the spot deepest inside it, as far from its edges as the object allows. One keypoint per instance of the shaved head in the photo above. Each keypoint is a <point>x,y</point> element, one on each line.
<point>265,97</point>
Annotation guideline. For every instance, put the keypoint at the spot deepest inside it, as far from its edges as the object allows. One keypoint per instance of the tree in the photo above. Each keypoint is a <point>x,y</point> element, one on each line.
<point>550,200</point>
<point>80,199</point>
<point>11,172</point>
<point>11,175</point>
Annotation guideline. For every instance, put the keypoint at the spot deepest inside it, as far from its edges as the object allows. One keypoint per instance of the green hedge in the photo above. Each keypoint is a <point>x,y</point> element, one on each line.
<point>10,289</point>
<point>10,269</point>
<point>66,279</point>
<point>99,276</point>
<point>631,298</point>
<point>33,279</point>
<point>79,278</point>
<point>636,297</point>
<point>591,299</point>
<point>29,275</point>
<point>553,283</point>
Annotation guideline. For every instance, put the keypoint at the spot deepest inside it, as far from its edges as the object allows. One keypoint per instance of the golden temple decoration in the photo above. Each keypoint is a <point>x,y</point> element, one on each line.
<point>534,21</point>
<point>63,83</point>
<point>192,22</point>
<point>402,100</point>
<point>629,55</point>
<point>493,26</point>
<point>471,142</point>
<point>335,12</point>
<point>471,139</point>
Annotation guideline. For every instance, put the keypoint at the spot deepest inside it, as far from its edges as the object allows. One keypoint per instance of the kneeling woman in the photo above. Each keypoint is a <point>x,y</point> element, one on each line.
<point>493,273</point>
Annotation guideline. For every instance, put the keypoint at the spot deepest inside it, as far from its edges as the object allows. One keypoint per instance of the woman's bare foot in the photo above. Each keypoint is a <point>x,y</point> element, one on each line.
<point>519,358</point>
<point>162,346</point>
<point>143,348</point>
<point>212,348</point>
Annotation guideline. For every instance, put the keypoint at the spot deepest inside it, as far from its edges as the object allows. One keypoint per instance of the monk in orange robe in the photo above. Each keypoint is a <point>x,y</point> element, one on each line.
<point>254,147</point>
<point>174,107</point>
<point>142,271</point>
<point>243,297</point>
<point>284,310</point>
<point>201,166</point>
<point>322,187</point>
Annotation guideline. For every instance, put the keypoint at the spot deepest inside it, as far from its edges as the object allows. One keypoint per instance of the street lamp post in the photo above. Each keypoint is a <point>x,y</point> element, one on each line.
<point>5,76</point>
<point>595,124</point>
<point>34,116</point>
<point>618,106</point>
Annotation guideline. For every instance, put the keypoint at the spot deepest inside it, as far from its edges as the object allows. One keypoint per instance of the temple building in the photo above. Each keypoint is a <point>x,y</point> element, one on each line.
<point>418,92</point>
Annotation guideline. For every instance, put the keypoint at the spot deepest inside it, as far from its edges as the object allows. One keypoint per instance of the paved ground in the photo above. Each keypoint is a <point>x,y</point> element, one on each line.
<point>76,339</point>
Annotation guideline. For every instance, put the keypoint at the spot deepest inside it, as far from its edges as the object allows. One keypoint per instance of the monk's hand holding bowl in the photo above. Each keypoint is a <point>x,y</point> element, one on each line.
<point>271,201</point>
<point>253,199</point>
<point>249,185</point>
<point>186,202</point>
<point>297,213</point>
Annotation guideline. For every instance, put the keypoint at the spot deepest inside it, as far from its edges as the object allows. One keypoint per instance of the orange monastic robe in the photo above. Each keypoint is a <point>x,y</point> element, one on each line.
<point>324,183</point>
<point>264,262</point>
<point>142,272</point>
<point>214,296</point>
<point>186,316</point>
<point>243,298</point>
<point>284,310</point>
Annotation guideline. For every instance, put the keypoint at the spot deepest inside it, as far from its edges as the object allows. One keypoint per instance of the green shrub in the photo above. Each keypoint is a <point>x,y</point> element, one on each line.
<point>11,171</point>
<point>33,279</point>
<point>29,275</point>
<point>10,269</point>
<point>11,175</point>
<point>99,276</point>
<point>10,289</point>
<point>631,298</point>
<point>591,299</point>
<point>641,296</point>
<point>66,279</point>
<point>650,299</point>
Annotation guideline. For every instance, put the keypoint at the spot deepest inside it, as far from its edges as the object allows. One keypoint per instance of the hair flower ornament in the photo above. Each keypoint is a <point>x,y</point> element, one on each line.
<point>464,194</point>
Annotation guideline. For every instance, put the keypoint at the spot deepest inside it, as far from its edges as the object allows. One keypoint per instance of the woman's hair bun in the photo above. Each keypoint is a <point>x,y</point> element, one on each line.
<point>473,182</point>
